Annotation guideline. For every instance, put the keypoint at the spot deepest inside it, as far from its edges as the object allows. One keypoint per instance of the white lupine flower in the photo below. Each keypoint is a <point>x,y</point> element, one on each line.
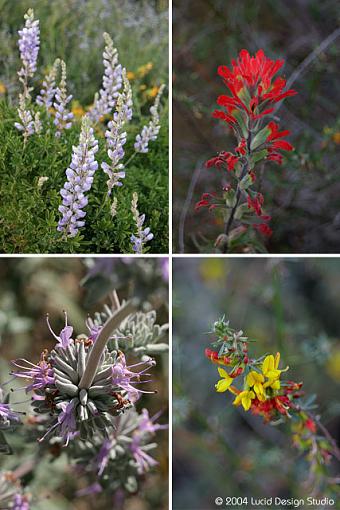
<point>116,137</point>
<point>63,117</point>
<point>113,208</point>
<point>149,133</point>
<point>105,100</point>
<point>143,235</point>
<point>46,96</point>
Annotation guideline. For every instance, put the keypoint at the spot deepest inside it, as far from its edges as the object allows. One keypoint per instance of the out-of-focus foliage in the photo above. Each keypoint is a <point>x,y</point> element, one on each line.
<point>73,31</point>
<point>302,195</point>
<point>286,306</point>
<point>29,288</point>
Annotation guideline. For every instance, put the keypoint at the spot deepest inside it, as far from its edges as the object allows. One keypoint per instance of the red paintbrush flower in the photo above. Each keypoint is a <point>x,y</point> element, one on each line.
<point>252,85</point>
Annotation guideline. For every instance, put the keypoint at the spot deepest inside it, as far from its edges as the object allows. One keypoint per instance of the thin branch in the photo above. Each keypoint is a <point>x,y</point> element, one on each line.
<point>185,208</point>
<point>335,451</point>
<point>312,56</point>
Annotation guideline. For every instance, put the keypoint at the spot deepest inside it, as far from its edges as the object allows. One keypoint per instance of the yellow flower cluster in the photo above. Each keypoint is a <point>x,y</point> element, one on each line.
<point>256,383</point>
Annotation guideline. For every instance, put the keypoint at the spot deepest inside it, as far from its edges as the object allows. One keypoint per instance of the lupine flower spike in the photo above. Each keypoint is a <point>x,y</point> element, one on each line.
<point>257,385</point>
<point>254,94</point>
<point>116,137</point>
<point>79,180</point>
<point>29,48</point>
<point>149,133</point>
<point>63,117</point>
<point>46,96</point>
<point>105,100</point>
<point>143,235</point>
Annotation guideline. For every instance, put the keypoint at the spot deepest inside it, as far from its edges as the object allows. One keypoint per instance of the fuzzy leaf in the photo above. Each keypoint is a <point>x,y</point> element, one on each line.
<point>259,138</point>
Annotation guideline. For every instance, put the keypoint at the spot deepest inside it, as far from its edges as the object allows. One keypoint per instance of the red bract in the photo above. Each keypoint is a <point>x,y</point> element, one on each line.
<point>252,84</point>
<point>256,203</point>
<point>226,159</point>
<point>206,201</point>
<point>264,229</point>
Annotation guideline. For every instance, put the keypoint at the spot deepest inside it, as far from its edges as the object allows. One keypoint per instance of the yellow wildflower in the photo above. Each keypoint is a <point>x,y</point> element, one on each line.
<point>77,110</point>
<point>333,364</point>
<point>244,398</point>
<point>255,381</point>
<point>270,366</point>
<point>152,92</point>
<point>2,88</point>
<point>145,69</point>
<point>224,383</point>
<point>130,75</point>
<point>336,137</point>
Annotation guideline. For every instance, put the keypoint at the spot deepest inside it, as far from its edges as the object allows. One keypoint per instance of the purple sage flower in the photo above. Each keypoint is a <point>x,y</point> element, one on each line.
<point>63,117</point>
<point>8,417</point>
<point>126,379</point>
<point>40,374</point>
<point>150,132</point>
<point>105,100</point>
<point>102,457</point>
<point>20,502</point>
<point>94,488</point>
<point>143,460</point>
<point>116,138</point>
<point>147,424</point>
<point>79,180</point>
<point>65,337</point>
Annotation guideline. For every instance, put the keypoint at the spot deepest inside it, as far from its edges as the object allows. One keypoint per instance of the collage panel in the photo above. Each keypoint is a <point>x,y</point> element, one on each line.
<point>84,383</point>
<point>255,126</point>
<point>84,161</point>
<point>256,374</point>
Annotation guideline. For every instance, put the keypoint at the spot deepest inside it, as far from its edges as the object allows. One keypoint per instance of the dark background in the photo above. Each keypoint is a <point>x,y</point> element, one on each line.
<point>302,196</point>
<point>290,306</point>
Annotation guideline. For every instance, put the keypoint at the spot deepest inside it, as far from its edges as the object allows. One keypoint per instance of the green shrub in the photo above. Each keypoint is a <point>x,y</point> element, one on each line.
<point>29,213</point>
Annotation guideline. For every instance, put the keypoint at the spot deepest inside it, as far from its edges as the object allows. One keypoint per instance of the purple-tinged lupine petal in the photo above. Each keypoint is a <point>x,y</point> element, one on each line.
<point>116,138</point>
<point>45,98</point>
<point>150,132</point>
<point>105,100</point>
<point>61,100</point>
<point>80,176</point>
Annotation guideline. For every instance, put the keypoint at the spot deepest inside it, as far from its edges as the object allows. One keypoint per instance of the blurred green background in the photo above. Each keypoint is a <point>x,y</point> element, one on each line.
<point>302,196</point>
<point>291,306</point>
<point>73,31</point>
<point>30,287</point>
